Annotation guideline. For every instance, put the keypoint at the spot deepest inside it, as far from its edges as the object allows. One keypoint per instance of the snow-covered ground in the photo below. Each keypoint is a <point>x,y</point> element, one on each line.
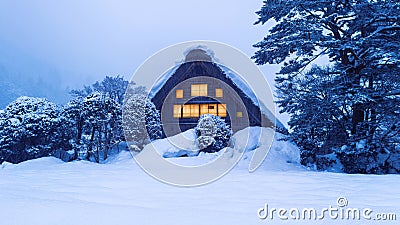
<point>49,191</point>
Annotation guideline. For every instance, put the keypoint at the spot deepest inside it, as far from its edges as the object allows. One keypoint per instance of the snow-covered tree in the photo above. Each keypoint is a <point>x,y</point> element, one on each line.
<point>153,121</point>
<point>112,87</point>
<point>355,97</point>
<point>134,120</point>
<point>213,134</point>
<point>95,117</point>
<point>101,124</point>
<point>74,121</point>
<point>29,128</point>
<point>141,119</point>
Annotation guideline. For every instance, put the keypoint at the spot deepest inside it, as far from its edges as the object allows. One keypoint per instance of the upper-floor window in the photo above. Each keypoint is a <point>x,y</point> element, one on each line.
<point>179,93</point>
<point>199,89</point>
<point>219,93</point>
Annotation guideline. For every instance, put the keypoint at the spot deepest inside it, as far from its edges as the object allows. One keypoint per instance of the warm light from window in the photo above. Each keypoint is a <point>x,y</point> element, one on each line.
<point>199,89</point>
<point>195,110</point>
<point>186,111</point>
<point>219,93</point>
<point>239,114</point>
<point>179,93</point>
<point>177,111</point>
<point>222,110</point>
<point>203,109</point>
<point>208,109</point>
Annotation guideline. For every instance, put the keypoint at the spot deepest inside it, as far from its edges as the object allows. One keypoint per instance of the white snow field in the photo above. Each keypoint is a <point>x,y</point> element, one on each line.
<point>48,191</point>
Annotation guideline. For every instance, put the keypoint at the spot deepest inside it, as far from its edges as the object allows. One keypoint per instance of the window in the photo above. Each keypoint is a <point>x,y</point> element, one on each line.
<point>222,110</point>
<point>219,93</point>
<point>215,109</point>
<point>208,109</point>
<point>177,111</point>
<point>212,109</point>
<point>186,111</point>
<point>199,89</point>
<point>203,109</point>
<point>195,110</point>
<point>239,114</point>
<point>179,93</point>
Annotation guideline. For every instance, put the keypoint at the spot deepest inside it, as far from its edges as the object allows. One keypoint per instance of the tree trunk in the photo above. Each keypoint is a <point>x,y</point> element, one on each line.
<point>90,147</point>
<point>358,116</point>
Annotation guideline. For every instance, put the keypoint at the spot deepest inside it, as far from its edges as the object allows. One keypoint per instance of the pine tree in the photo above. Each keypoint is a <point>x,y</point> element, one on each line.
<point>153,121</point>
<point>352,100</point>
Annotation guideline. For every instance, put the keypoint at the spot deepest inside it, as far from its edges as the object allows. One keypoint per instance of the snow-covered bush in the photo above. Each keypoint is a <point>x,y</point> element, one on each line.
<point>365,159</point>
<point>28,129</point>
<point>213,134</point>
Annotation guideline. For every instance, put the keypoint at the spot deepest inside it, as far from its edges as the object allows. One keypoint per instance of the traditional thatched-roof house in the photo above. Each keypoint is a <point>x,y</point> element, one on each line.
<point>201,86</point>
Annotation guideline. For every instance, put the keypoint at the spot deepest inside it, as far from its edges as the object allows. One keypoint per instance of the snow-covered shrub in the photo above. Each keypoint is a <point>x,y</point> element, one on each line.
<point>365,159</point>
<point>213,134</point>
<point>325,163</point>
<point>28,129</point>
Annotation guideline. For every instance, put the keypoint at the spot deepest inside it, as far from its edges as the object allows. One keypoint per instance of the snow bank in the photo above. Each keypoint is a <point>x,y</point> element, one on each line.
<point>248,140</point>
<point>176,146</point>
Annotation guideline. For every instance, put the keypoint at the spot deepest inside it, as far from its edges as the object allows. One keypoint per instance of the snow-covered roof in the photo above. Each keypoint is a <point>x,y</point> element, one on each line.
<point>161,81</point>
<point>236,79</point>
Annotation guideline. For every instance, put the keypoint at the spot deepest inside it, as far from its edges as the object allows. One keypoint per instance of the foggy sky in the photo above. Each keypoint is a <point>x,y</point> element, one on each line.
<point>86,40</point>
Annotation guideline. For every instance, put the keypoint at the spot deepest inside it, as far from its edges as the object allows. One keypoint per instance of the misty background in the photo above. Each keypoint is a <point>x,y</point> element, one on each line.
<point>50,47</point>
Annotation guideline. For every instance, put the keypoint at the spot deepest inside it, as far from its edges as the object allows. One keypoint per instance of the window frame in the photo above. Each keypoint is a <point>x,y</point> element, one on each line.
<point>199,90</point>
<point>179,93</point>
<point>219,92</point>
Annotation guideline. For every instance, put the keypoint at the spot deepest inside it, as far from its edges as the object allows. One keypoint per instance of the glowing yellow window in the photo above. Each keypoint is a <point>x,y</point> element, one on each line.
<point>199,89</point>
<point>177,111</point>
<point>179,93</point>
<point>212,109</point>
<point>239,114</point>
<point>222,110</point>
<point>203,109</point>
<point>219,93</point>
<point>208,109</point>
<point>186,111</point>
<point>194,110</point>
